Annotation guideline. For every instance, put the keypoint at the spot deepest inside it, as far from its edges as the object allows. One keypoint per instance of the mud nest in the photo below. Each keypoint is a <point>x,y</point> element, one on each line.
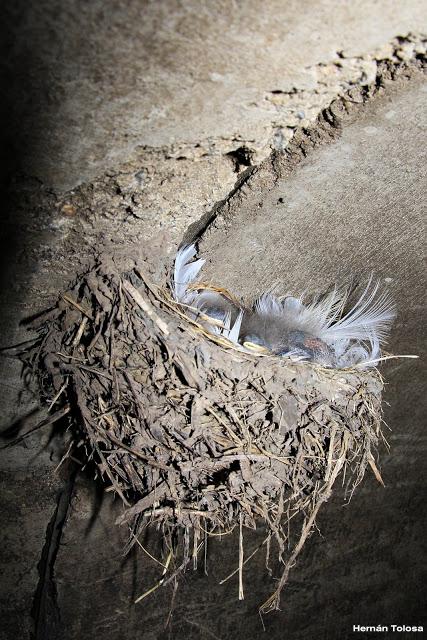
<point>192,434</point>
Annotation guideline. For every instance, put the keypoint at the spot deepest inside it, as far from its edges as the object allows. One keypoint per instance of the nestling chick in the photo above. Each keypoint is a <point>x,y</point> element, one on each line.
<point>319,332</point>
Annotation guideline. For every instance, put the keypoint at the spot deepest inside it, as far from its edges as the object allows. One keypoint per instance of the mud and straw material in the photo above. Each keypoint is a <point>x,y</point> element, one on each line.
<point>193,435</point>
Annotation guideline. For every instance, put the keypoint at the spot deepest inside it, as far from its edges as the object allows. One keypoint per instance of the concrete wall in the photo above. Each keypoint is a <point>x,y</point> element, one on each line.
<point>125,123</point>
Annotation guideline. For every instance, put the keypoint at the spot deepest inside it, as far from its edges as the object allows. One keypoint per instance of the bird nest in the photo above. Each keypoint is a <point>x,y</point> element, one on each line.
<point>193,434</point>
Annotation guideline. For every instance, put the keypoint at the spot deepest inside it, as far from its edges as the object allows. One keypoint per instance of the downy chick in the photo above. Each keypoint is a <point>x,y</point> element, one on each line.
<point>320,331</point>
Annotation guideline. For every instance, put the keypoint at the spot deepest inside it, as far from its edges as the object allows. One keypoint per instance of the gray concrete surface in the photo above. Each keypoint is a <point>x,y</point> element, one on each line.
<point>125,122</point>
<point>359,570</point>
<point>95,80</point>
<point>351,207</point>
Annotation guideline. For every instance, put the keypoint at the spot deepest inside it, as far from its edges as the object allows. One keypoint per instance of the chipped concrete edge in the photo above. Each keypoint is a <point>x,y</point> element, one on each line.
<point>326,128</point>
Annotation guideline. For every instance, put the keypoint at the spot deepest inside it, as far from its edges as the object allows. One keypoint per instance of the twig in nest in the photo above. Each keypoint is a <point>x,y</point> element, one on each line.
<point>201,437</point>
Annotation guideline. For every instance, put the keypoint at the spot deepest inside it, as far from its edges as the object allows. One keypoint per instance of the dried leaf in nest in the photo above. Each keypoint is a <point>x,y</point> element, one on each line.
<point>193,434</point>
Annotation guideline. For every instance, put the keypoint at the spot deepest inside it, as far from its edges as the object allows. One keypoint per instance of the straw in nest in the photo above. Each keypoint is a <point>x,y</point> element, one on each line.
<point>193,434</point>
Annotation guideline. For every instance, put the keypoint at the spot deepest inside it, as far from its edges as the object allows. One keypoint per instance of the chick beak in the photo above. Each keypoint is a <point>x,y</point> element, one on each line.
<point>255,344</point>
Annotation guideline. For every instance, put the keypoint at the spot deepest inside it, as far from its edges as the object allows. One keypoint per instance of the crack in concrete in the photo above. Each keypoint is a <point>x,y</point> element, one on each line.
<point>301,106</point>
<point>325,129</point>
<point>45,610</point>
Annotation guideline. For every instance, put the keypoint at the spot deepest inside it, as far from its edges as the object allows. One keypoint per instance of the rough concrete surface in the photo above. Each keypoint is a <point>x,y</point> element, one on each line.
<point>348,208</point>
<point>126,122</point>
<point>106,78</point>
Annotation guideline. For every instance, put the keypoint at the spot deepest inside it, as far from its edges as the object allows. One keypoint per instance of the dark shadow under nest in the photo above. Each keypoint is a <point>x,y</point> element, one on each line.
<point>193,435</point>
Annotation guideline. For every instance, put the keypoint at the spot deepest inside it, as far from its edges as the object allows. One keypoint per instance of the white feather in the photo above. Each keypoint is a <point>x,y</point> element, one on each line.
<point>370,318</point>
<point>207,302</point>
<point>292,305</point>
<point>360,354</point>
<point>325,310</point>
<point>267,304</point>
<point>185,272</point>
<point>211,304</point>
<point>227,324</point>
<point>233,333</point>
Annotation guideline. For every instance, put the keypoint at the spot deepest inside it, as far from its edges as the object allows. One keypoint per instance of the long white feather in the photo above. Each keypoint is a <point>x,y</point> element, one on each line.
<point>325,310</point>
<point>208,302</point>
<point>185,272</point>
<point>267,304</point>
<point>234,332</point>
<point>370,317</point>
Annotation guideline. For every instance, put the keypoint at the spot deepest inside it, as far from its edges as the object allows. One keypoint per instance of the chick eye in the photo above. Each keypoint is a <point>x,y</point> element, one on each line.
<point>296,344</point>
<point>296,351</point>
